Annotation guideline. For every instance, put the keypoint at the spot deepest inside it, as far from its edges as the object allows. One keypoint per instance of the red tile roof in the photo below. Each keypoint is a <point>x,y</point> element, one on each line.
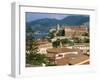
<point>60,50</point>
<point>40,42</point>
<point>75,28</point>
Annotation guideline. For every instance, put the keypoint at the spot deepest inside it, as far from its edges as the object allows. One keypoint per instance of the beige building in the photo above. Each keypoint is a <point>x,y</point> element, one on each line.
<point>65,56</point>
<point>43,45</point>
<point>74,31</point>
<point>59,53</point>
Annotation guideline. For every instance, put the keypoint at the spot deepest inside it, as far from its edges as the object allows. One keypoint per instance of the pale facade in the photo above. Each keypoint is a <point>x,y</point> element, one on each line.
<point>44,47</point>
<point>75,31</point>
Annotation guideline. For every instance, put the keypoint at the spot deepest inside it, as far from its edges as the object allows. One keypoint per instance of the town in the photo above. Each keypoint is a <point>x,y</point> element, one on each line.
<point>64,45</point>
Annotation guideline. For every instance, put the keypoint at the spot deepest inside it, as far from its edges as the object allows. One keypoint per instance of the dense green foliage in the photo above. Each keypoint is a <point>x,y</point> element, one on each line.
<point>32,55</point>
<point>56,43</point>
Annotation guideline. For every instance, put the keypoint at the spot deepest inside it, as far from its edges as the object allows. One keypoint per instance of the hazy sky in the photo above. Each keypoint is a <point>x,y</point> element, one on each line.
<point>30,16</point>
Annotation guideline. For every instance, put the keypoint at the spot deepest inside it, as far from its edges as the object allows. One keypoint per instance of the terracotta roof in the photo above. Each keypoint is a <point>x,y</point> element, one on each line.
<point>75,59</point>
<point>60,50</point>
<point>40,42</point>
<point>88,62</point>
<point>76,28</point>
<point>62,61</point>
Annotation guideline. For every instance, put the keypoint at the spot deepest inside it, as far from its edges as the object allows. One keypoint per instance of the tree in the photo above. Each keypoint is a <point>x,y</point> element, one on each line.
<point>56,43</point>
<point>33,57</point>
<point>29,29</point>
<point>77,40</point>
<point>61,33</point>
<point>85,34</point>
<point>36,59</point>
<point>66,41</point>
<point>51,34</point>
<point>86,40</point>
<point>29,38</point>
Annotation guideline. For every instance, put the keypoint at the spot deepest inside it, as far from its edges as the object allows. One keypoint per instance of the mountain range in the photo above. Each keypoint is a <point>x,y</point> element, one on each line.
<point>46,23</point>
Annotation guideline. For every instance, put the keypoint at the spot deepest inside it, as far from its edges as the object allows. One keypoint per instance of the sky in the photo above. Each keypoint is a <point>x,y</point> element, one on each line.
<point>30,16</point>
